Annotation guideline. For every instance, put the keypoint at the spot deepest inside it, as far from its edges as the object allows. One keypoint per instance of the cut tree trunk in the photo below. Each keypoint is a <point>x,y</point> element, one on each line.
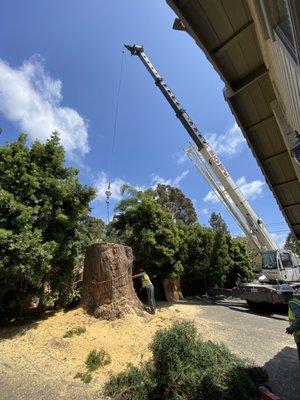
<point>107,289</point>
<point>172,289</point>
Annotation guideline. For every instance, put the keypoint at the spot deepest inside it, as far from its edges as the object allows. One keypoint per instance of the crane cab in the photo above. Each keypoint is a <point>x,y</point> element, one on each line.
<point>280,266</point>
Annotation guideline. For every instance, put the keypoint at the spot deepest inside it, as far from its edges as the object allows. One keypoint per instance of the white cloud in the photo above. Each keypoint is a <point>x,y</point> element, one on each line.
<point>101,186</point>
<point>280,238</point>
<point>204,211</point>
<point>251,190</point>
<point>181,158</point>
<point>211,197</point>
<point>156,179</point>
<point>32,99</point>
<point>229,143</point>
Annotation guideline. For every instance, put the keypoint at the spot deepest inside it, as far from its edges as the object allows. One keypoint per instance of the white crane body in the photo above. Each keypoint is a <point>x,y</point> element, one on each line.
<point>278,265</point>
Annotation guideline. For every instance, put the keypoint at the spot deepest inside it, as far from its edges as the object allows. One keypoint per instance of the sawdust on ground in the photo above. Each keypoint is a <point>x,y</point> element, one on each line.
<point>42,347</point>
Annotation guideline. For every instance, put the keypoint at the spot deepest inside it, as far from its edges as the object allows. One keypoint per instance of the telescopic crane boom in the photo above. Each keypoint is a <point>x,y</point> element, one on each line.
<point>212,168</point>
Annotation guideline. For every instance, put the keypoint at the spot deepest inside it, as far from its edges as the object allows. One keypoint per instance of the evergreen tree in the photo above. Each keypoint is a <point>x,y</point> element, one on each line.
<point>241,266</point>
<point>217,222</point>
<point>220,260</point>
<point>42,204</point>
<point>153,236</point>
<point>199,245</point>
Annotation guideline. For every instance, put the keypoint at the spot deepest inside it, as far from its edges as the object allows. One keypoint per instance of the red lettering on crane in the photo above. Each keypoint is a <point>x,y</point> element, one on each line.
<point>218,162</point>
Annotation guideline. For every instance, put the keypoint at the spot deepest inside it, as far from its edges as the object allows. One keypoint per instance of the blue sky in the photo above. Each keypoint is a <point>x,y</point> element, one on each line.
<point>59,69</point>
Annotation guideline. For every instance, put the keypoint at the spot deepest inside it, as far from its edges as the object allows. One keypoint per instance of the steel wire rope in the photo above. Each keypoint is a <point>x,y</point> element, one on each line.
<point>115,128</point>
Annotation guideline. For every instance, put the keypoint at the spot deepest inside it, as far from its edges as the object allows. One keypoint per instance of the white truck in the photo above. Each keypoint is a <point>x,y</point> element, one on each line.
<point>280,268</point>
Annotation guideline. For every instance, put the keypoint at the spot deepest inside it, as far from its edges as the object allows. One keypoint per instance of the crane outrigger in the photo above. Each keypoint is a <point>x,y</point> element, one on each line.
<point>280,268</point>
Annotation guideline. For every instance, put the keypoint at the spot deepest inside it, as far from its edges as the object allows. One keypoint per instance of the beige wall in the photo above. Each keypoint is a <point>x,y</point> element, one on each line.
<point>284,73</point>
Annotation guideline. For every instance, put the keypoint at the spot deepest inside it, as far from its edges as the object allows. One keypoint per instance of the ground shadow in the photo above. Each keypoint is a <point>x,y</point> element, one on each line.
<point>11,327</point>
<point>284,373</point>
<point>239,306</point>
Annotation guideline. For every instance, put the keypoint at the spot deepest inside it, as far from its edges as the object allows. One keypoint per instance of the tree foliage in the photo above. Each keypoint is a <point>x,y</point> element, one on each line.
<point>169,243</point>
<point>93,230</point>
<point>184,367</point>
<point>217,222</point>
<point>220,259</point>
<point>214,258</point>
<point>292,243</point>
<point>241,265</point>
<point>133,197</point>
<point>170,198</point>
<point>198,242</point>
<point>153,236</point>
<point>174,201</point>
<point>42,204</point>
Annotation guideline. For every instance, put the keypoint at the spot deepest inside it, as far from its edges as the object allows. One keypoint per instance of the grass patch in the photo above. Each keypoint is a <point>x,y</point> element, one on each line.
<point>85,377</point>
<point>97,359</point>
<point>184,367</point>
<point>79,330</point>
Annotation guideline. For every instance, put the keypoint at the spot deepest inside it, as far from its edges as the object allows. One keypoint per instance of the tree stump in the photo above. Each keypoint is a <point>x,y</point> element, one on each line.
<point>173,289</point>
<point>107,289</point>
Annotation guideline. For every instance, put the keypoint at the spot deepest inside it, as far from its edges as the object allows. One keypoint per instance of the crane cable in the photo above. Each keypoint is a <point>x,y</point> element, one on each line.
<point>108,192</point>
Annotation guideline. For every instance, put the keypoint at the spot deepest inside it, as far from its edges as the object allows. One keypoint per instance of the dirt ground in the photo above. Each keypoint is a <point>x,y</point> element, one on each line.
<point>38,363</point>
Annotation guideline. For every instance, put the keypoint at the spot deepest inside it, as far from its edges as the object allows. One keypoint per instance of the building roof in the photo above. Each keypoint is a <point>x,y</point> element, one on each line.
<point>225,31</point>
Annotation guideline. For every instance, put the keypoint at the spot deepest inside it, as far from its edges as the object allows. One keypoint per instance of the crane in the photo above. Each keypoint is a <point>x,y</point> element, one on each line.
<point>281,267</point>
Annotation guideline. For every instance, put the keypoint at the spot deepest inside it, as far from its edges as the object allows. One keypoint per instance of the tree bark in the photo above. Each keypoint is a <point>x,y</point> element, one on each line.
<point>107,289</point>
<point>172,289</point>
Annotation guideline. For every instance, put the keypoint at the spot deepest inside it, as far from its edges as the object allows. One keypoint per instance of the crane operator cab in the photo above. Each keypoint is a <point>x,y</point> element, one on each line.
<point>280,266</point>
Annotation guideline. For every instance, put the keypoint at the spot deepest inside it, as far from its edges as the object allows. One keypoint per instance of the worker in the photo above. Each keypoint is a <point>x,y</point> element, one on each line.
<point>294,319</point>
<point>147,284</point>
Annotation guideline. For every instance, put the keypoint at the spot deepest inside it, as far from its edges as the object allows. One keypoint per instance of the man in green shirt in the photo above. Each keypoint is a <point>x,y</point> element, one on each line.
<point>147,284</point>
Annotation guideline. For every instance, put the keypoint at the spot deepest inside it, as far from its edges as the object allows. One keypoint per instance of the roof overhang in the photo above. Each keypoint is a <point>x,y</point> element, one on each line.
<point>225,31</point>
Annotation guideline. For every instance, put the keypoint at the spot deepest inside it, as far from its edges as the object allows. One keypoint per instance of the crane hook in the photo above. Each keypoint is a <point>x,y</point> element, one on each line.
<point>108,193</point>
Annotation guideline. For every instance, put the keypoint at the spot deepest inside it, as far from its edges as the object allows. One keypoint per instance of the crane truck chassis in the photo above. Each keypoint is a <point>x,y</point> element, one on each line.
<point>280,268</point>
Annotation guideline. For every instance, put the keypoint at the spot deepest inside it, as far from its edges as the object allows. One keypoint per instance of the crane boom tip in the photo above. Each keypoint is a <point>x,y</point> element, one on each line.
<point>134,49</point>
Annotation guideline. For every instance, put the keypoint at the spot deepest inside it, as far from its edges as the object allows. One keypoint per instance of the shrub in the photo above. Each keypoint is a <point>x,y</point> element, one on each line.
<point>79,330</point>
<point>134,383</point>
<point>97,359</point>
<point>85,377</point>
<point>184,367</point>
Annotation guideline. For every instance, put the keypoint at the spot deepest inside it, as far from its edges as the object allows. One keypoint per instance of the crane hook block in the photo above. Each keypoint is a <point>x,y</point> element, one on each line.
<point>108,193</point>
